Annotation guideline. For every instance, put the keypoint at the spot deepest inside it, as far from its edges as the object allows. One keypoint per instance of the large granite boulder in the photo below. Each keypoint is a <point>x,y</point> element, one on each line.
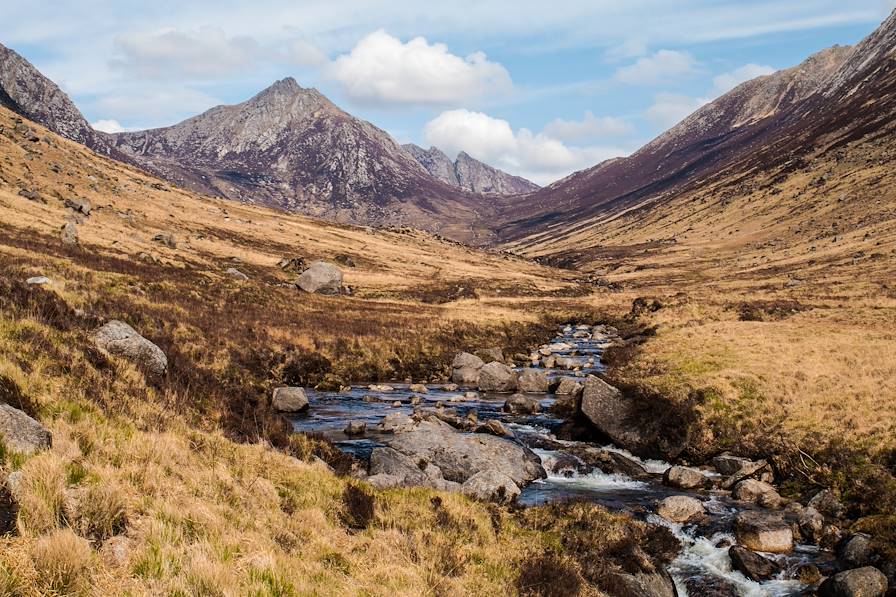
<point>491,486</point>
<point>680,508</point>
<point>386,461</point>
<point>465,369</point>
<point>684,478</point>
<point>858,582</point>
<point>21,433</point>
<point>751,564</point>
<point>760,531</point>
<point>119,339</point>
<point>497,377</point>
<point>289,400</point>
<point>533,381</point>
<point>321,278</point>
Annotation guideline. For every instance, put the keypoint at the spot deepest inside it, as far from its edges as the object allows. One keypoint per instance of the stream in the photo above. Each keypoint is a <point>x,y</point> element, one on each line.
<point>703,567</point>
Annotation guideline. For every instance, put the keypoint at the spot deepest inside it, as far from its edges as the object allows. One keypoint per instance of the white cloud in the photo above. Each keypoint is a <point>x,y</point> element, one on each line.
<point>536,156</point>
<point>590,127</point>
<point>669,109</point>
<point>108,126</point>
<point>206,52</point>
<point>660,67</point>
<point>381,69</point>
<point>728,81</point>
<point>304,53</point>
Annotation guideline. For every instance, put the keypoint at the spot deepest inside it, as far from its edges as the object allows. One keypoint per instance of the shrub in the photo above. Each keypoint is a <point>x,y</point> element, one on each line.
<point>548,575</point>
<point>102,512</point>
<point>62,561</point>
<point>358,507</point>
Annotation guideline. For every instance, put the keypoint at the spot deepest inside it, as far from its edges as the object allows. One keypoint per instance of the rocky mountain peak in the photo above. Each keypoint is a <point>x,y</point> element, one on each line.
<point>468,173</point>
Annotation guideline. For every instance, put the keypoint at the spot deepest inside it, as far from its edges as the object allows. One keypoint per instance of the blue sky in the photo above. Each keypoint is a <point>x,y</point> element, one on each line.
<point>540,89</point>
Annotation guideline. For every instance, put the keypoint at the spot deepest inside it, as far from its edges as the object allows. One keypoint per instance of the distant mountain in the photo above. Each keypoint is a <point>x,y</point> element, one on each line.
<point>469,173</point>
<point>24,90</point>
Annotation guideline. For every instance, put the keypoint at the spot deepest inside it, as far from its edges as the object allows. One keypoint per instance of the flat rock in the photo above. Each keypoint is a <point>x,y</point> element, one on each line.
<point>119,339</point>
<point>289,400</point>
<point>680,508</point>
<point>37,281</point>
<point>21,433</point>
<point>386,461</point>
<point>321,278</point>
<point>760,531</point>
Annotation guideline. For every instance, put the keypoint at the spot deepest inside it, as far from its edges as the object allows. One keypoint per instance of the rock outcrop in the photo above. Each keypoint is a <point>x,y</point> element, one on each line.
<point>469,173</point>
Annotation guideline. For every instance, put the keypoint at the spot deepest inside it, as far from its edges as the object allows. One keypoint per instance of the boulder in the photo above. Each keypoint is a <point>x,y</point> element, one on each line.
<point>533,380</point>
<point>289,400</point>
<point>520,404</point>
<point>609,411</point>
<point>494,427</point>
<point>757,492</point>
<point>21,433</point>
<point>383,389</point>
<point>827,503</point>
<point>491,486</point>
<point>236,274</point>
<point>69,234</point>
<point>78,205</point>
<point>744,472</point>
<point>857,551</point>
<point>321,278</point>
<point>490,355</point>
<point>465,369</point>
<point>395,423</point>
<point>497,377</point>
<point>858,582</point>
<point>462,455</point>
<point>419,388</point>
<point>807,574</point>
<point>684,478</point>
<point>644,584</point>
<point>811,523</point>
<point>765,532</point>
<point>355,428</point>
<point>119,339</point>
<point>385,481</point>
<point>37,281</point>
<point>680,508</point>
<point>569,387</point>
<point>165,239</point>
<point>386,461</point>
<point>727,465</point>
<point>751,564</point>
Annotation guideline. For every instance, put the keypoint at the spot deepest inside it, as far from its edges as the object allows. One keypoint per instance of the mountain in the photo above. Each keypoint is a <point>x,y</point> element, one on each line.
<point>469,173</point>
<point>784,159</point>
<point>24,90</point>
<point>291,148</point>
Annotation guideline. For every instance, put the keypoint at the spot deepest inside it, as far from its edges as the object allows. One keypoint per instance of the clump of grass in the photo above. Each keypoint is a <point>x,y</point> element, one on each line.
<point>62,561</point>
<point>358,507</point>
<point>548,575</point>
<point>41,494</point>
<point>102,512</point>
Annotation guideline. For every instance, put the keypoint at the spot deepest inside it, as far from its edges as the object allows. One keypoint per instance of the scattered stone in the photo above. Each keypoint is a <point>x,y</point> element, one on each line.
<point>520,404</point>
<point>497,377</point>
<point>415,400</point>
<point>321,278</point>
<point>491,486</point>
<point>119,339</point>
<point>289,400</point>
<point>356,428</point>
<point>465,369</point>
<point>236,274</point>
<point>745,472</point>
<point>858,582</point>
<point>751,564</point>
<point>32,195</point>
<point>569,387</point>
<point>165,239</point>
<point>811,524</point>
<point>728,465</point>
<point>684,478</point>
<point>808,574</point>
<point>494,427</point>
<point>78,205</point>
<point>490,355</point>
<point>21,433</point>
<point>293,264</point>
<point>765,532</point>
<point>419,388</point>
<point>450,387</point>
<point>396,404</point>
<point>395,423</point>
<point>857,551</point>
<point>38,281</point>
<point>827,503</point>
<point>471,396</point>
<point>380,388</point>
<point>680,508</point>
<point>532,380</point>
<point>69,233</point>
<point>757,492</point>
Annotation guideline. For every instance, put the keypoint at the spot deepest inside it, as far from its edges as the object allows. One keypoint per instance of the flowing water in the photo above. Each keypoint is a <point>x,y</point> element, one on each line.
<point>703,566</point>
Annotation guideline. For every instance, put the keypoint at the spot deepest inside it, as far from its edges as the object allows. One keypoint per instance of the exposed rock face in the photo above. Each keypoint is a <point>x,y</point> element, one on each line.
<point>386,461</point>
<point>21,433</point>
<point>497,377</point>
<point>858,582</point>
<point>680,508</point>
<point>462,455</point>
<point>23,89</point>
<point>293,149</point>
<point>119,339</point>
<point>289,400</point>
<point>751,564</point>
<point>760,531</point>
<point>321,277</point>
<point>469,173</point>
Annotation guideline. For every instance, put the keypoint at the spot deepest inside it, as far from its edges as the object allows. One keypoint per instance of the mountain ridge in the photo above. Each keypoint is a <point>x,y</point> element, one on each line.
<point>468,173</point>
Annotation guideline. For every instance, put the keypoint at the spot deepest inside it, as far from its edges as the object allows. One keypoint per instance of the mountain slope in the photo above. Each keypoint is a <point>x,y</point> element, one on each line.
<point>724,130</point>
<point>293,149</point>
<point>469,173</point>
<point>24,90</point>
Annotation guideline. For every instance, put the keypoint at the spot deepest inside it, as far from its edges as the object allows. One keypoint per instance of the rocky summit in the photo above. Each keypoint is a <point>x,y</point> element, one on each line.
<point>469,173</point>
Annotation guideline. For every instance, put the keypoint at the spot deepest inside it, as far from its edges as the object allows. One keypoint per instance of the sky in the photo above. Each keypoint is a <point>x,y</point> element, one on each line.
<point>540,89</point>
